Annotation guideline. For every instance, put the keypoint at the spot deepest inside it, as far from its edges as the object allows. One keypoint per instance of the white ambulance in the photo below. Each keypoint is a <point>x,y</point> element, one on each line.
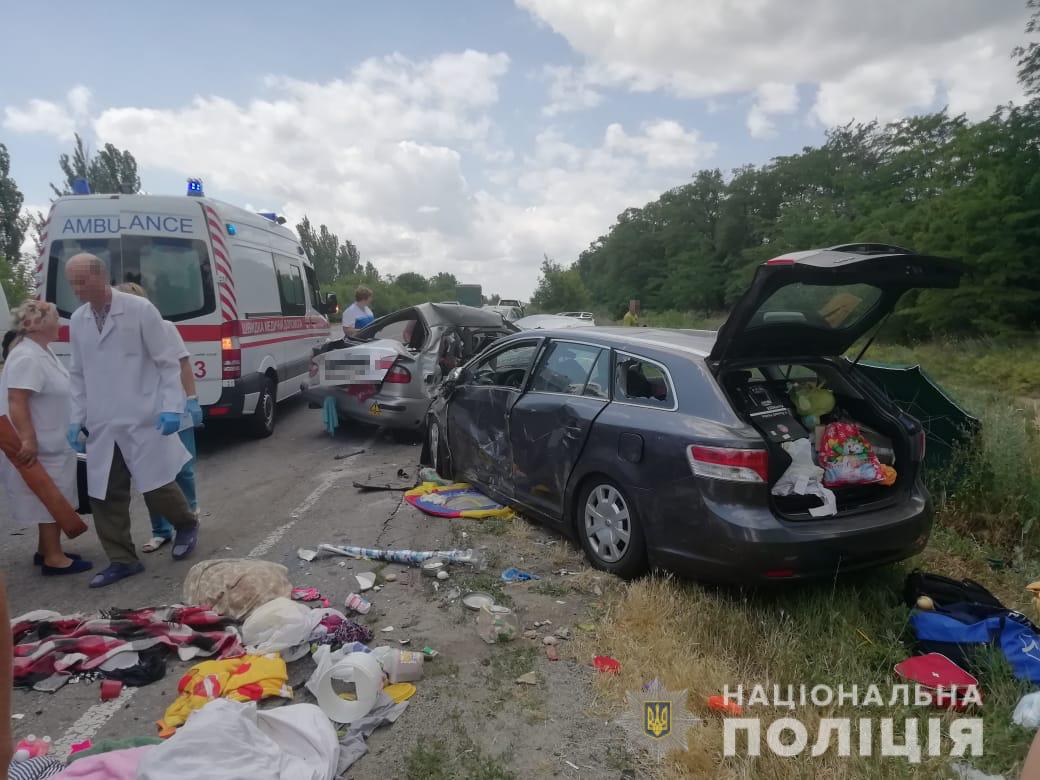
<point>238,286</point>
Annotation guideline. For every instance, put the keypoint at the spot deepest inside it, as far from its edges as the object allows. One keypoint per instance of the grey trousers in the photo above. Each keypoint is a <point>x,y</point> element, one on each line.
<point>112,514</point>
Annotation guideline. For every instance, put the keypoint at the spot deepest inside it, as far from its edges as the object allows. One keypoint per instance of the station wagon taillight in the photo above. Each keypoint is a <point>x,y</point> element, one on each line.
<point>728,463</point>
<point>230,353</point>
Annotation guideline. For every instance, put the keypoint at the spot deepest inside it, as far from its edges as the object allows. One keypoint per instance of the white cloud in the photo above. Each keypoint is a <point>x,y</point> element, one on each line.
<point>403,158</point>
<point>771,98</point>
<point>663,144</point>
<point>881,59</point>
<point>40,116</point>
<point>569,90</point>
<point>49,118</point>
<point>79,100</point>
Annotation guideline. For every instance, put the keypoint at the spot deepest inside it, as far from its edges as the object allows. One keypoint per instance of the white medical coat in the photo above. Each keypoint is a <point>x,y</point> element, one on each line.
<point>122,380</point>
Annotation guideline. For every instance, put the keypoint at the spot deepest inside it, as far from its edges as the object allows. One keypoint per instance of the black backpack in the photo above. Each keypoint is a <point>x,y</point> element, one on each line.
<point>946,593</point>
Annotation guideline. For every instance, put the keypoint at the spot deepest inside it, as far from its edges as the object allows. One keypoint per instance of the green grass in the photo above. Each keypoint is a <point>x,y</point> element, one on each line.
<point>457,758</point>
<point>508,662</point>
<point>1011,367</point>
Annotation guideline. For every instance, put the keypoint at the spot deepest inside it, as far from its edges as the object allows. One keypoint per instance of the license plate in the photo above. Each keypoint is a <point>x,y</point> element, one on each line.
<point>375,410</point>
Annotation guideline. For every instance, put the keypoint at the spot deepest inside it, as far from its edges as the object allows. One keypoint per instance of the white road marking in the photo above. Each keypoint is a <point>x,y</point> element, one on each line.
<point>97,715</point>
<point>91,721</point>
<point>327,481</point>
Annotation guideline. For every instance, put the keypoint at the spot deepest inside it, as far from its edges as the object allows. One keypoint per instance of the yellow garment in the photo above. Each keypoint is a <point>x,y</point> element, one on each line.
<point>400,692</point>
<point>630,319</point>
<point>248,678</point>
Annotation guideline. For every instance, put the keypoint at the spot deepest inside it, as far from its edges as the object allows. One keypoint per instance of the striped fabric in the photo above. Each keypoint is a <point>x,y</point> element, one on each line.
<point>34,768</point>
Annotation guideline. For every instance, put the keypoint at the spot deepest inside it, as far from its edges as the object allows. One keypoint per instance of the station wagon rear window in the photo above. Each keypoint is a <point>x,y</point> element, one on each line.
<point>175,272</point>
<point>826,306</point>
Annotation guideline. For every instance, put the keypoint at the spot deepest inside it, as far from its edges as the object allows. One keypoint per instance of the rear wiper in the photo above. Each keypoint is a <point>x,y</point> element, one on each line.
<point>873,336</point>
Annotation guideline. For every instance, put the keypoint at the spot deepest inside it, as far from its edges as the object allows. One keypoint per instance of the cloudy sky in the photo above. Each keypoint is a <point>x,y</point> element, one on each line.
<point>476,135</point>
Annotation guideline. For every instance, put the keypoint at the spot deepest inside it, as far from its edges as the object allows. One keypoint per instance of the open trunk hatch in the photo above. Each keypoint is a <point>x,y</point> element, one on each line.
<point>821,301</point>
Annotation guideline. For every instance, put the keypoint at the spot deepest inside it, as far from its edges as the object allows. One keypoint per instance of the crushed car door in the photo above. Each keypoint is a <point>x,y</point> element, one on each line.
<point>549,424</point>
<point>480,403</point>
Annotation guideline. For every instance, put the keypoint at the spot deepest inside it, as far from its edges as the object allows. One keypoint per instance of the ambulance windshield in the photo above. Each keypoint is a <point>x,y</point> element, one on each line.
<point>175,272</point>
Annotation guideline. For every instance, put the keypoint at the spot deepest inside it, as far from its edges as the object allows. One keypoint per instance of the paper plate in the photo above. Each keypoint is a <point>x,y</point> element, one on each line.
<point>476,599</point>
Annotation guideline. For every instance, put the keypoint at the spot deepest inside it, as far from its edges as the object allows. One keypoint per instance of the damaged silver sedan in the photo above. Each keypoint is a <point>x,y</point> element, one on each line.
<point>388,373</point>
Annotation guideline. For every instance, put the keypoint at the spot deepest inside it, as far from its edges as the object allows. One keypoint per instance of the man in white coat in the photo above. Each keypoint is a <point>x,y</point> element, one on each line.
<point>128,399</point>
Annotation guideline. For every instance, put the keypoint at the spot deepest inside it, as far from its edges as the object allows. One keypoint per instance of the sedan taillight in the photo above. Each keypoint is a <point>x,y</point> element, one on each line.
<point>728,463</point>
<point>398,375</point>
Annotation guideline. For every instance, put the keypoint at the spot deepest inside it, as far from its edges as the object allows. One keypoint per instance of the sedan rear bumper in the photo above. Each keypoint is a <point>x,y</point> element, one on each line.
<point>721,541</point>
<point>380,409</point>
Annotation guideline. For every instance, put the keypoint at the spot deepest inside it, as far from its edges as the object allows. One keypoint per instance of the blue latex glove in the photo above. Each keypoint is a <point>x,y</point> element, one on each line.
<point>168,423</point>
<point>195,411</point>
<point>72,437</point>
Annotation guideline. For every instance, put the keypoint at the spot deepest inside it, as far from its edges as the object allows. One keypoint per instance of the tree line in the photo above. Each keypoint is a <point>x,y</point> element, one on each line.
<point>936,183</point>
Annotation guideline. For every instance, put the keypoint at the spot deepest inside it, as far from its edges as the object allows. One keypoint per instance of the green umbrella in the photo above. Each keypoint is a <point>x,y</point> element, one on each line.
<point>947,425</point>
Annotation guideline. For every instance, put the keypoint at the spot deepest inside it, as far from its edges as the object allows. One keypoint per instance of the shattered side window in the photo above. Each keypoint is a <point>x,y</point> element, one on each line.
<point>507,368</point>
<point>638,381</point>
<point>565,369</point>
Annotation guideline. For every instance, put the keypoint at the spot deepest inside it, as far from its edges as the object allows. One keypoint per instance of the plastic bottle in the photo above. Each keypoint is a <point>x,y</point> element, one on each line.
<point>400,665</point>
<point>497,624</point>
<point>31,747</point>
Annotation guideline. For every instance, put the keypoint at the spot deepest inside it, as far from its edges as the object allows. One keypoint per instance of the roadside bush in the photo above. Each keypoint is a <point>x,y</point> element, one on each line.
<point>997,499</point>
<point>673,318</point>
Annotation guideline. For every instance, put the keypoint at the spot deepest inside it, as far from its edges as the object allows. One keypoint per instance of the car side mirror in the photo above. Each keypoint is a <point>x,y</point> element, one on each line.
<point>331,303</point>
<point>454,379</point>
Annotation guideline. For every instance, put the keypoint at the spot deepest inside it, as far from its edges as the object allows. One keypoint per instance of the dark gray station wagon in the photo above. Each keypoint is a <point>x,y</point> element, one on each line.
<point>660,447</point>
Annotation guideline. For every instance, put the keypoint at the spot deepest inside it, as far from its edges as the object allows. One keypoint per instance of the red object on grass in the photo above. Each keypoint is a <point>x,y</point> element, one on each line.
<point>719,704</point>
<point>605,663</point>
<point>946,681</point>
<point>110,689</point>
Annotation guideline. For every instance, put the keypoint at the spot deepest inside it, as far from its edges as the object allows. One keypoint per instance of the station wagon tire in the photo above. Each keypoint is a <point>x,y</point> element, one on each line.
<point>261,423</point>
<point>609,529</point>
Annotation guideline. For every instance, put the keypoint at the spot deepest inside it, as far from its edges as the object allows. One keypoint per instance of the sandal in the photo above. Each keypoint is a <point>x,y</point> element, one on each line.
<point>116,572</point>
<point>154,543</point>
<point>38,559</point>
<point>76,566</point>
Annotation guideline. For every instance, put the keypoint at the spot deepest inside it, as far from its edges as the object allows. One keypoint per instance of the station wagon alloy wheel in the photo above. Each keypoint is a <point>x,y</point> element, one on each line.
<point>608,523</point>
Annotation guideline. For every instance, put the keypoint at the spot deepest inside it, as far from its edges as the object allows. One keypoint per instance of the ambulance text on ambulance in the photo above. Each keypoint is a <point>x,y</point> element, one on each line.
<point>158,223</point>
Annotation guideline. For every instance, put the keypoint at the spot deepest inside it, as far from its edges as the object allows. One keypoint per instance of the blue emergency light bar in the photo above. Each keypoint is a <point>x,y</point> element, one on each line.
<point>80,187</point>
<point>195,188</point>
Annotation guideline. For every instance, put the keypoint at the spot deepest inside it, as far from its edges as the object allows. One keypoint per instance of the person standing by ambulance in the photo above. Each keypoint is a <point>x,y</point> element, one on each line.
<point>34,395</point>
<point>358,314</point>
<point>127,398</point>
<point>162,531</point>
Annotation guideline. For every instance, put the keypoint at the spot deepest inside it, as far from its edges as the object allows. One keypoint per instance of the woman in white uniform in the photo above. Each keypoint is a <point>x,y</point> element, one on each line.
<point>35,396</point>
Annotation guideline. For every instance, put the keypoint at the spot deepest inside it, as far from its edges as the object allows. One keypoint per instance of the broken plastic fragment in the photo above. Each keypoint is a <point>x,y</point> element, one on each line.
<point>605,663</point>
<point>306,555</point>
<point>531,678</point>
<point>366,580</point>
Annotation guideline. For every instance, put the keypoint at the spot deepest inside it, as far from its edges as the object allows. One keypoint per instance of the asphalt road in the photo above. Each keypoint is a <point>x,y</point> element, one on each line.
<point>260,499</point>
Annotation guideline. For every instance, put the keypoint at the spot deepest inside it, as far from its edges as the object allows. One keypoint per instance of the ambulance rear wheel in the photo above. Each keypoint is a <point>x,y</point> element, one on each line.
<point>261,423</point>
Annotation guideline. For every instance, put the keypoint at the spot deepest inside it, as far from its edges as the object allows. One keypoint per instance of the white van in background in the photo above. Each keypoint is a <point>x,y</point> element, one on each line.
<point>238,286</point>
<point>5,313</point>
